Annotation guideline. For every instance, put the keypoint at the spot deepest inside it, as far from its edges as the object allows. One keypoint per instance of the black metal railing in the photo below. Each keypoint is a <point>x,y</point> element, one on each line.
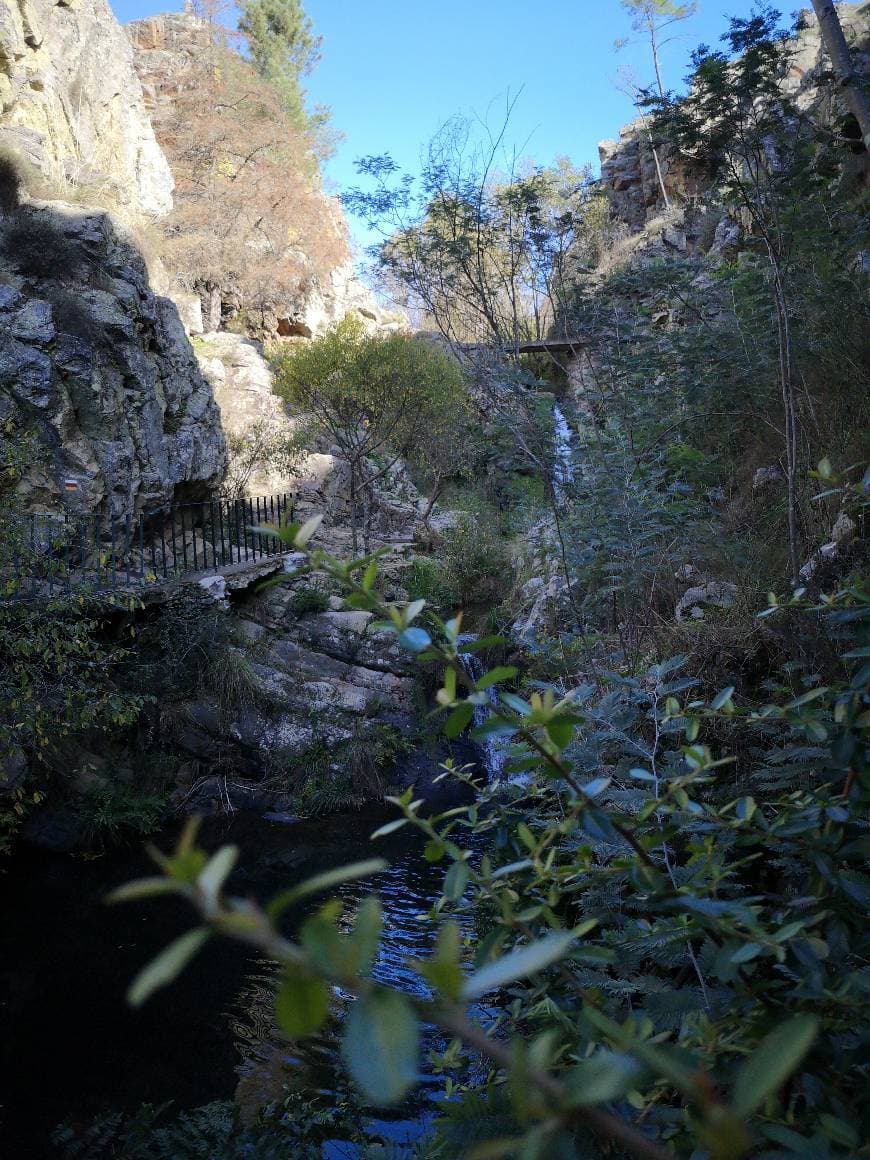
<point>47,554</point>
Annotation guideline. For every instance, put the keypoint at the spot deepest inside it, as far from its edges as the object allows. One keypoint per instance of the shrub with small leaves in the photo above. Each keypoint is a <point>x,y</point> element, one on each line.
<point>676,966</point>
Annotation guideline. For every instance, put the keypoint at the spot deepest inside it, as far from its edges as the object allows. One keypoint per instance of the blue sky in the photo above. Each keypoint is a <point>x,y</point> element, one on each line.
<point>394,70</point>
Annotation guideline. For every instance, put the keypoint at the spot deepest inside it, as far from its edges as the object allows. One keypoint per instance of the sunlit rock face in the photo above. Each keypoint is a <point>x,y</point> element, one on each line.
<point>71,104</point>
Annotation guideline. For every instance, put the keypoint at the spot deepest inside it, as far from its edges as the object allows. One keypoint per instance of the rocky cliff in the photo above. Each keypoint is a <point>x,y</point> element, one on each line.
<point>628,167</point>
<point>71,105</point>
<point>93,361</point>
<point>98,366</point>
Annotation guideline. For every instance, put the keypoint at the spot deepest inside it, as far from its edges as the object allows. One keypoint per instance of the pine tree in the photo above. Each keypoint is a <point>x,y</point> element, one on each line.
<point>283,47</point>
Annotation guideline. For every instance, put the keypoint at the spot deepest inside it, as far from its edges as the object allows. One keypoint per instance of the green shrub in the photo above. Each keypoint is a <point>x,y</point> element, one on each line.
<point>114,813</point>
<point>330,777</point>
<point>476,562</point>
<point>685,962</point>
<point>229,678</point>
<point>425,579</point>
<point>378,398</point>
<point>307,600</point>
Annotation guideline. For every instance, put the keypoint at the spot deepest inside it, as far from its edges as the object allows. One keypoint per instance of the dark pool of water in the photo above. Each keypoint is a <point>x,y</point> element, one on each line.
<point>70,1047</point>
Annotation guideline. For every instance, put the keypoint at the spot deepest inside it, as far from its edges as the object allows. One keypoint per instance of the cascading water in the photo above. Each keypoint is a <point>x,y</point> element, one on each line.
<point>563,467</point>
<point>494,749</point>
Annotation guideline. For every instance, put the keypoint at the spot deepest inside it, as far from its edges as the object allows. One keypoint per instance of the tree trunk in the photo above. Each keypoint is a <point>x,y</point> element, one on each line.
<point>654,45</point>
<point>841,59</point>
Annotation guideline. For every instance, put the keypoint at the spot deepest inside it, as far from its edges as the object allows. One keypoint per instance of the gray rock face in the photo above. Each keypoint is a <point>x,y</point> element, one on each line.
<point>101,368</point>
<point>694,602</point>
<point>329,686</point>
<point>628,170</point>
<point>71,103</point>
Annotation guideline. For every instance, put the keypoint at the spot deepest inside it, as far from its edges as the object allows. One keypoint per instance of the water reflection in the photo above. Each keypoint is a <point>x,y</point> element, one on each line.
<point>70,1047</point>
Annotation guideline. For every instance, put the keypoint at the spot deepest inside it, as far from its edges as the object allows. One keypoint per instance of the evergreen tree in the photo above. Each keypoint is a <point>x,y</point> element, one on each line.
<point>283,47</point>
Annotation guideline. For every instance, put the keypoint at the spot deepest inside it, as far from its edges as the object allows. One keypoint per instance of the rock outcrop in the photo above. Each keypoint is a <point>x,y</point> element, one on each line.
<point>333,699</point>
<point>628,167</point>
<point>99,366</point>
<point>71,104</point>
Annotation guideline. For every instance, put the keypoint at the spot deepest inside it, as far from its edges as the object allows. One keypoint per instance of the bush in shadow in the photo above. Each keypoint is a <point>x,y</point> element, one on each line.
<point>10,183</point>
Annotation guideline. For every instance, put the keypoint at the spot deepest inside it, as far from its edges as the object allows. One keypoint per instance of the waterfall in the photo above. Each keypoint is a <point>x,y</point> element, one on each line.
<point>563,468</point>
<point>494,750</point>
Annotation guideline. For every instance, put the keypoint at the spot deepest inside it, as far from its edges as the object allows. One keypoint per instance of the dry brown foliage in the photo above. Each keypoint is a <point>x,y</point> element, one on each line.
<point>252,225</point>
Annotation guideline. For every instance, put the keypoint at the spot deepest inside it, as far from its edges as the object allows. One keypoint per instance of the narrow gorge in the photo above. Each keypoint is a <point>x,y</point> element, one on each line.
<point>435,611</point>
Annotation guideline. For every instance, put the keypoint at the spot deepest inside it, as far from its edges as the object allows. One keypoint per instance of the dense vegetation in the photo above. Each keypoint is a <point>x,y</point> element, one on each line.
<point>669,891</point>
<point>651,936</point>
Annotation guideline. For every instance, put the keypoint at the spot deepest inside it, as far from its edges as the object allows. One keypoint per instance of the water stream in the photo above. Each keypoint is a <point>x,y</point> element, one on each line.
<point>563,467</point>
<point>70,1047</point>
<point>494,749</point>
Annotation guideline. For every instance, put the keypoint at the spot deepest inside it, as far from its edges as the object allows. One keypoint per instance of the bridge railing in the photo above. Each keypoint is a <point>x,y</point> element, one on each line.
<point>47,553</point>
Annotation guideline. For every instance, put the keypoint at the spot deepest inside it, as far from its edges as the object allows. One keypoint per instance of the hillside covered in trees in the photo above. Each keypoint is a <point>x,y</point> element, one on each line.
<point>463,684</point>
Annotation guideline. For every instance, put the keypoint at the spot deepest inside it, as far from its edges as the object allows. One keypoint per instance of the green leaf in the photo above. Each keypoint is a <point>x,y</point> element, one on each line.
<point>747,953</point>
<point>641,774</point>
<point>606,1076</point>
<point>518,964</point>
<point>144,888</point>
<point>366,935</point>
<point>772,1062</point>
<point>169,963</point>
<point>389,828</point>
<point>415,640</point>
<point>458,719</point>
<point>443,970</point>
<point>595,787</point>
<point>517,704</point>
<point>526,836</point>
<point>839,1131</point>
<point>307,531</point>
<point>327,947</point>
<point>455,881</point>
<point>301,1002</point>
<point>482,642</point>
<point>722,698</point>
<point>413,610</point>
<point>380,1046</point>
<point>324,881</point>
<point>499,673</point>
<point>217,870</point>
<point>369,576</point>
<point>560,731</point>
<point>745,808</point>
